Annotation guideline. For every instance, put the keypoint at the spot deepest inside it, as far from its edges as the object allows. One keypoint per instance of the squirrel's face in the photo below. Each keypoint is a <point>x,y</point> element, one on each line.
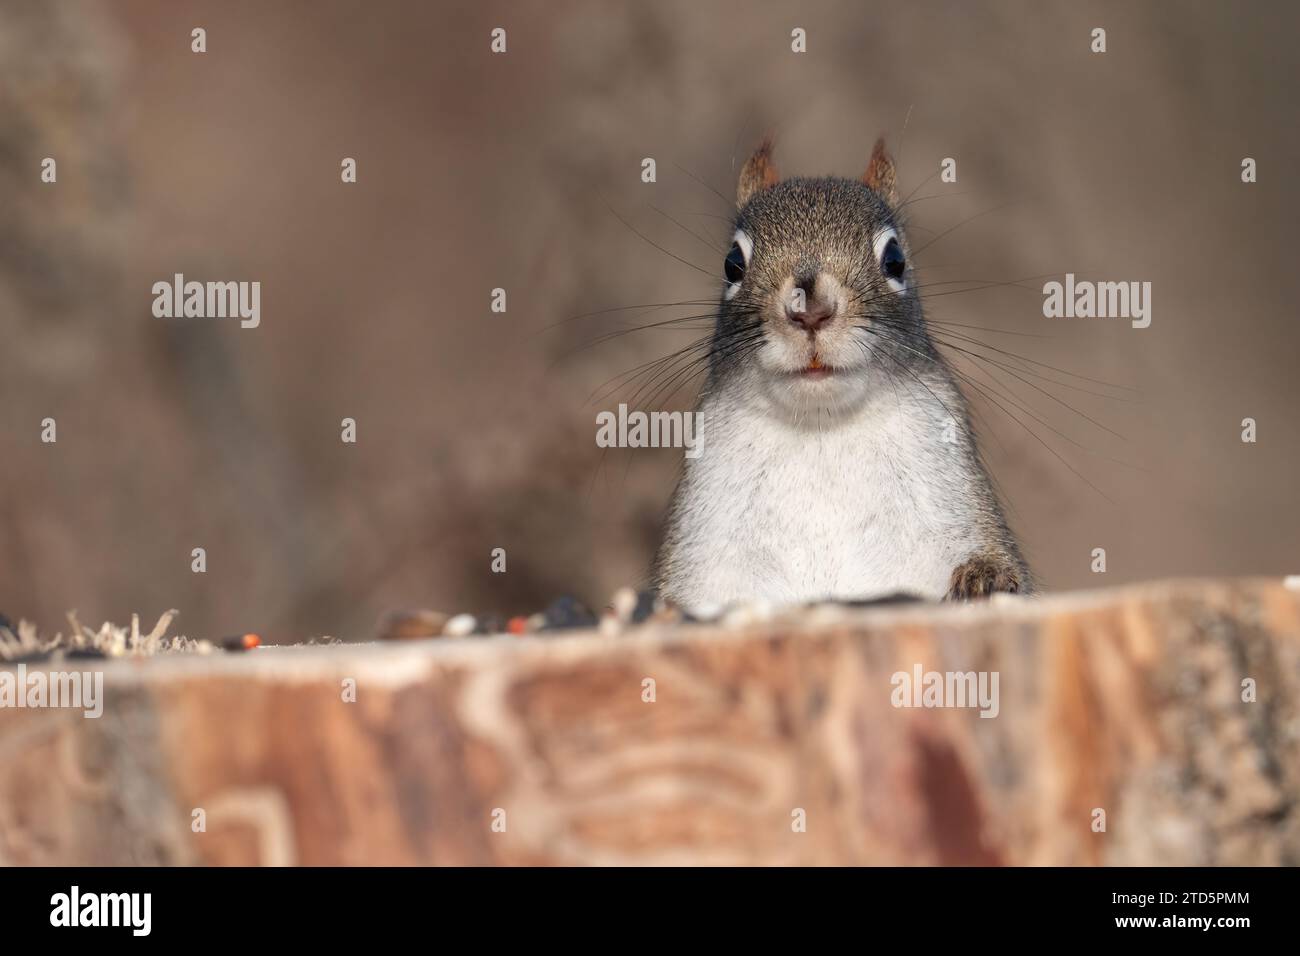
<point>814,262</point>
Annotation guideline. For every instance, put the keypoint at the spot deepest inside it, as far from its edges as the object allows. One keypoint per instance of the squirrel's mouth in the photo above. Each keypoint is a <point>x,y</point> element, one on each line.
<point>815,369</point>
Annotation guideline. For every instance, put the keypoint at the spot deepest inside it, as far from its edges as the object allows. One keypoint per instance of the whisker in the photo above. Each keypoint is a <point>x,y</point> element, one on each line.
<point>997,400</point>
<point>942,336</point>
<point>618,381</point>
<point>712,247</point>
<point>725,200</point>
<point>629,308</point>
<point>640,235</point>
<point>674,324</point>
<point>964,222</point>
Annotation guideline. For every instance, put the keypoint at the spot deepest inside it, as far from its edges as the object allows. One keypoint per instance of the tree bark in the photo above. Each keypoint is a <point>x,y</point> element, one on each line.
<point>545,750</point>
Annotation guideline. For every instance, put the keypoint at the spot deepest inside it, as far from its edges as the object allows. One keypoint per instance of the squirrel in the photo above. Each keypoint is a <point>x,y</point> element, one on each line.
<point>840,461</point>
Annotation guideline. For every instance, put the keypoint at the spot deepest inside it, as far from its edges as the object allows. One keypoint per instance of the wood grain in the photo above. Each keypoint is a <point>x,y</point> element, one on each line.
<point>1128,701</point>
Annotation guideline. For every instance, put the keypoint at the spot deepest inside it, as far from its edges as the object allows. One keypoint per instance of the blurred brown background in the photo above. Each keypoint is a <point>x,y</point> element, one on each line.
<point>476,430</point>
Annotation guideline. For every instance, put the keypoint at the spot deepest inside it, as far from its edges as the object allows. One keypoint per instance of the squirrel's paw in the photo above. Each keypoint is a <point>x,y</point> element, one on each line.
<point>983,574</point>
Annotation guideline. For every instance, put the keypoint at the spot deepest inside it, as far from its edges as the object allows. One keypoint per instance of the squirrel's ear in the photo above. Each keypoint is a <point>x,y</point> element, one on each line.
<point>757,174</point>
<point>880,174</point>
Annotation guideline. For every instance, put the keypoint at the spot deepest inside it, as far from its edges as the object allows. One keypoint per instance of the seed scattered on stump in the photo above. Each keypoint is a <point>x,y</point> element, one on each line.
<point>462,625</point>
<point>241,642</point>
<point>411,625</point>
<point>567,613</point>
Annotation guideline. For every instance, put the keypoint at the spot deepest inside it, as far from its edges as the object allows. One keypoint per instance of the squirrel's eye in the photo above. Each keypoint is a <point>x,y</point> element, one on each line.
<point>737,261</point>
<point>734,266</point>
<point>892,260</point>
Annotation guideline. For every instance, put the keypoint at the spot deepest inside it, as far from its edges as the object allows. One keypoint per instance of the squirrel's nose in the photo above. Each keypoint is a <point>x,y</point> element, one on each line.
<point>811,313</point>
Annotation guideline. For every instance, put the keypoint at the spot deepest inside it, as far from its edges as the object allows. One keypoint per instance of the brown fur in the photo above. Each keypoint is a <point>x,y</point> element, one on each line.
<point>986,573</point>
<point>758,173</point>
<point>880,175</point>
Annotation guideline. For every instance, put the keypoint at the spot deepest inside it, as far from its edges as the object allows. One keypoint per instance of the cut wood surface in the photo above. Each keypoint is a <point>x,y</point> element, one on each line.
<point>1165,713</point>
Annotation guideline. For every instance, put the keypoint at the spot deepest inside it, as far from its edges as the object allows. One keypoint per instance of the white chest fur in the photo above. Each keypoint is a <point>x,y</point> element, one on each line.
<point>875,504</point>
